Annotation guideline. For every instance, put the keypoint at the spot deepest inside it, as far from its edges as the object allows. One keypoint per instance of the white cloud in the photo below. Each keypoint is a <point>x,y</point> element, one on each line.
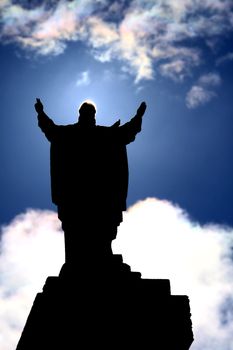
<point>101,34</point>
<point>197,96</point>
<point>141,35</point>
<point>176,70</point>
<point>210,79</point>
<point>156,238</point>
<point>200,93</point>
<point>83,79</point>
<point>31,249</point>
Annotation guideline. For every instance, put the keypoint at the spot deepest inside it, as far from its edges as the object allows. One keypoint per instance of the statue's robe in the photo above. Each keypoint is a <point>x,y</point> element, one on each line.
<point>89,170</point>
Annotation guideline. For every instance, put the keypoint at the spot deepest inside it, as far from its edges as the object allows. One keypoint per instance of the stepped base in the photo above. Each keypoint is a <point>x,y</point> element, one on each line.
<point>112,307</point>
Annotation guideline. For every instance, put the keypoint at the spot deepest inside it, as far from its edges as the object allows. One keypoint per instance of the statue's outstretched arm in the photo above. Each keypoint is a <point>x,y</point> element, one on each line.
<point>44,122</point>
<point>141,109</point>
<point>129,130</point>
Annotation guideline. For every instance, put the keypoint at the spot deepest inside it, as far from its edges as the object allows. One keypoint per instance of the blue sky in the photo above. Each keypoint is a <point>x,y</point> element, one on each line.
<point>175,55</point>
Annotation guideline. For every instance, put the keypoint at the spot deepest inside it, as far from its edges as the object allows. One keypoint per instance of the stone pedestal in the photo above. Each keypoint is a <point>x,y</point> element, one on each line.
<point>103,305</point>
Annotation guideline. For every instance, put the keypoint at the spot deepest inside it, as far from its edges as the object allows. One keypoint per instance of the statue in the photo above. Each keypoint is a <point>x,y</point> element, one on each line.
<point>89,177</point>
<point>97,300</point>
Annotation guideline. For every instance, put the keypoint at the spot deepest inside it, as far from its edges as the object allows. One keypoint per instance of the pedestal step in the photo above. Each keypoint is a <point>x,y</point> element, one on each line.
<point>107,312</point>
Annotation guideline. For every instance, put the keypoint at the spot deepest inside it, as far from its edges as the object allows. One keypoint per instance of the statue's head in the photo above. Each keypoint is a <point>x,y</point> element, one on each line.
<point>87,113</point>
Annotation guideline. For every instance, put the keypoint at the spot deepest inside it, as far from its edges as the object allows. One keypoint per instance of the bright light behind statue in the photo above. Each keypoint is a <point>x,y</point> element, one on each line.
<point>89,102</point>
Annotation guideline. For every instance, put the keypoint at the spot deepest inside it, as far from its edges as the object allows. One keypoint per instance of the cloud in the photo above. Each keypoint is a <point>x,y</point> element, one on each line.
<point>198,96</point>
<point>200,93</point>
<point>31,249</point>
<point>140,34</point>
<point>225,58</point>
<point>101,33</point>
<point>176,70</point>
<point>83,79</point>
<point>210,79</point>
<point>159,239</point>
<point>156,238</point>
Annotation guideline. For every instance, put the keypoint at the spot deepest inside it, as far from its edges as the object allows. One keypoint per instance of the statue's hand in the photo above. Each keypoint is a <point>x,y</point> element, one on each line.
<point>116,124</point>
<point>39,106</point>
<point>141,109</point>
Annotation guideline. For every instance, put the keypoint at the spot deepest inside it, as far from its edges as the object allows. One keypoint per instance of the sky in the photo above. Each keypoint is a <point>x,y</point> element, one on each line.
<point>178,57</point>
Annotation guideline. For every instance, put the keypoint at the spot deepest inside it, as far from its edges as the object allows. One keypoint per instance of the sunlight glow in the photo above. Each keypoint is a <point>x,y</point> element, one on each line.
<point>89,101</point>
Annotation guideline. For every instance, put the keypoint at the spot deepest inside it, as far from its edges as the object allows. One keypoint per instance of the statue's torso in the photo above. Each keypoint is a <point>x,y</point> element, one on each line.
<point>89,164</point>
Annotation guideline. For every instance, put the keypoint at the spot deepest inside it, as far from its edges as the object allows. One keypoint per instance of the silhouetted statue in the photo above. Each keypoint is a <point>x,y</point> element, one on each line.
<point>89,177</point>
<point>97,301</point>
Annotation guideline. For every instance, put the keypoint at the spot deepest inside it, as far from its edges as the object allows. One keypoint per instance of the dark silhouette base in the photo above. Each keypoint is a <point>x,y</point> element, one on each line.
<point>102,304</point>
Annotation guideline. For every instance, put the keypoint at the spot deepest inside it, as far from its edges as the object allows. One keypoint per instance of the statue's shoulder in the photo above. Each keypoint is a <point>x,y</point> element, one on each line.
<point>68,128</point>
<point>65,133</point>
<point>101,127</point>
<point>107,129</point>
